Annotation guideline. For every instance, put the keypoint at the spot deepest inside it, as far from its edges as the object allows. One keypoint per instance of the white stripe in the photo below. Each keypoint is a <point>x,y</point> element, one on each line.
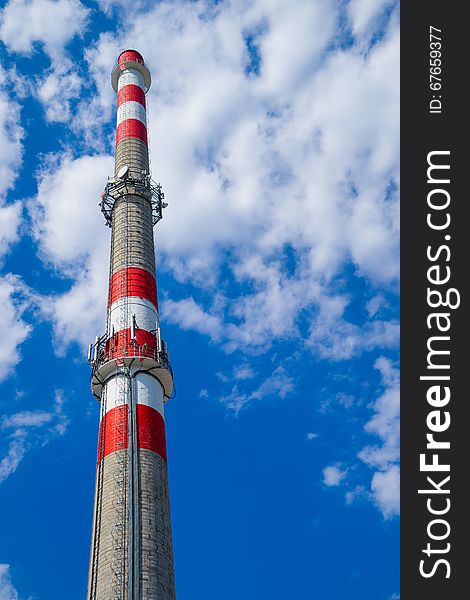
<point>121,311</point>
<point>115,392</point>
<point>147,390</point>
<point>131,110</point>
<point>131,77</point>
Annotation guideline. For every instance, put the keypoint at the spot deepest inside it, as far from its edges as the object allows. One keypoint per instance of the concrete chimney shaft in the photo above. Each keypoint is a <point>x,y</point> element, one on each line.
<point>131,552</point>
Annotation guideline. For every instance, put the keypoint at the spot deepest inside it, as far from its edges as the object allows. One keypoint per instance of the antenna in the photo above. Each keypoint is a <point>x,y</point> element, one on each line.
<point>95,348</point>
<point>123,172</point>
<point>133,327</point>
<point>159,337</point>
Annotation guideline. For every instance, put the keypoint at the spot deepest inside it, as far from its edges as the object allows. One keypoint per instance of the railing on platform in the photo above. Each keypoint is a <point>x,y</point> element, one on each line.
<point>101,352</point>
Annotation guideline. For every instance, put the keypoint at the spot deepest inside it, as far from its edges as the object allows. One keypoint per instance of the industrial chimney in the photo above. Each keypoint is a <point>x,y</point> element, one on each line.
<point>131,551</point>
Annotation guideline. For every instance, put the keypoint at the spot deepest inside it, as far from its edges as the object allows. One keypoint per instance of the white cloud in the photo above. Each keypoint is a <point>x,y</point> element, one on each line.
<point>189,315</point>
<point>123,6</point>
<point>334,338</point>
<point>386,420</point>
<point>9,463</point>
<point>59,86</point>
<point>14,300</point>
<point>67,221</point>
<point>11,135</point>
<point>52,23</point>
<point>73,238</point>
<point>26,418</point>
<point>311,435</point>
<point>375,304</point>
<point>209,114</point>
<point>243,371</point>
<point>363,12</point>
<point>386,490</point>
<point>10,218</point>
<point>384,458</point>
<point>279,384</point>
<point>332,475</point>
<point>254,166</point>
<point>7,590</point>
<point>255,163</point>
<point>28,429</point>
<point>21,422</point>
<point>358,492</point>
<point>297,35</point>
<point>61,421</point>
<point>11,150</point>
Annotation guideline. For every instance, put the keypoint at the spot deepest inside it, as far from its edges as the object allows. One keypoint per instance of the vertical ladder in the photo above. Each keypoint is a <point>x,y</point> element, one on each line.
<point>119,501</point>
<point>98,504</point>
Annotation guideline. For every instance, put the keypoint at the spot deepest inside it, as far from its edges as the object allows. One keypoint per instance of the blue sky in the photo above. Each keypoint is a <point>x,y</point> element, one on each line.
<point>273,129</point>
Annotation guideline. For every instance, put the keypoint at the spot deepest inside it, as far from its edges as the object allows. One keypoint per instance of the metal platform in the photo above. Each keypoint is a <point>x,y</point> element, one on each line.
<point>157,365</point>
<point>120,188</point>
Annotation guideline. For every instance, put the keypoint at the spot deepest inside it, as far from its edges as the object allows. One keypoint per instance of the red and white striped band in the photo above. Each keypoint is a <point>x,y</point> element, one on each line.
<point>131,116</point>
<point>148,398</point>
<point>114,431</point>
<point>121,312</point>
<point>131,128</point>
<point>146,390</point>
<point>132,299</point>
<point>131,77</point>
<point>131,92</point>
<point>131,110</point>
<point>132,281</point>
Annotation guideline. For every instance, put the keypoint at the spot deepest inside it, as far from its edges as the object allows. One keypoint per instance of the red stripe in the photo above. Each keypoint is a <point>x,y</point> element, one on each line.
<point>114,431</point>
<point>151,430</point>
<point>132,281</point>
<point>133,93</point>
<point>120,344</point>
<point>131,128</point>
<point>130,55</point>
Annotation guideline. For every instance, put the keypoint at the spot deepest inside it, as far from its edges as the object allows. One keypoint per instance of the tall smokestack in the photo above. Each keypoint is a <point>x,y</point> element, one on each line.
<point>131,551</point>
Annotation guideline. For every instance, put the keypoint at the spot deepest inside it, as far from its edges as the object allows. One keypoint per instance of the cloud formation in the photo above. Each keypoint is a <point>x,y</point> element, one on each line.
<point>29,25</point>
<point>363,14</point>
<point>29,429</point>
<point>381,458</point>
<point>14,300</point>
<point>384,458</point>
<point>9,463</point>
<point>11,151</point>
<point>273,174</point>
<point>333,475</point>
<point>50,23</point>
<point>7,590</point>
<point>73,239</point>
<point>279,384</point>
<point>281,188</point>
